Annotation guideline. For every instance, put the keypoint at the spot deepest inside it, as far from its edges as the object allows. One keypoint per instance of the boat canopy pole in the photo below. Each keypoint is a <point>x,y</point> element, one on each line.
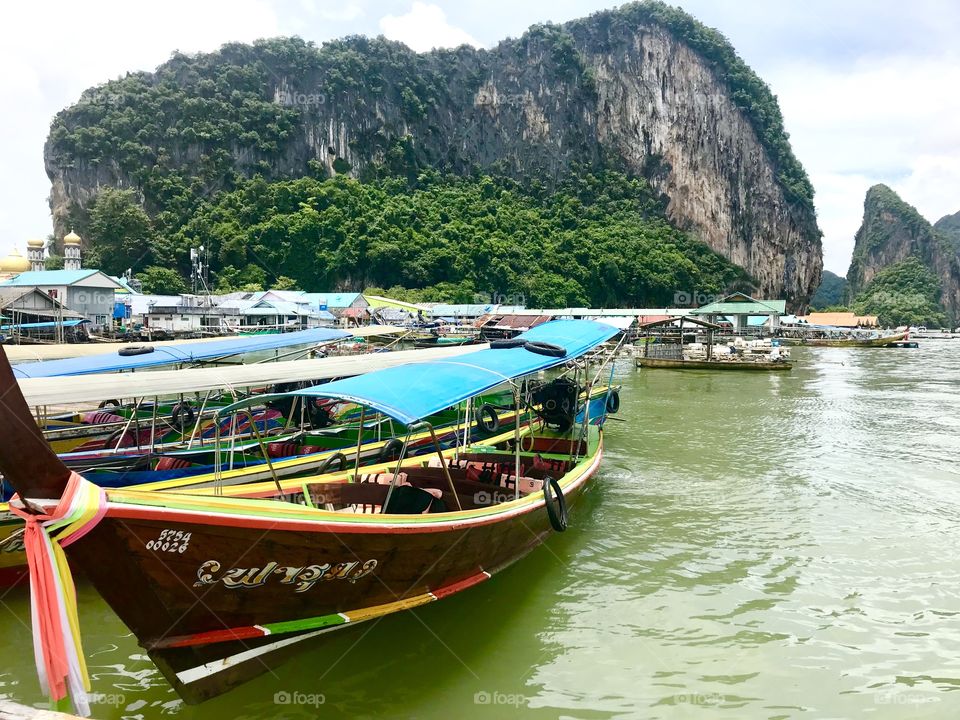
<point>196,426</point>
<point>516,441</point>
<point>396,471</point>
<point>153,425</point>
<point>356,467</point>
<point>126,427</point>
<point>443,464</point>
<point>263,448</point>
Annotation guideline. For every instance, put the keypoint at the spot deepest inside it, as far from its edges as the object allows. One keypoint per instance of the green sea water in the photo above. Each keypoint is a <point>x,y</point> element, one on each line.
<point>756,545</point>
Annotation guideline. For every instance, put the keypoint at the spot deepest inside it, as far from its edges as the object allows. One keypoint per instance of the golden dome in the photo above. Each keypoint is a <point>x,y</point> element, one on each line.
<point>35,243</point>
<point>14,263</point>
<point>71,238</point>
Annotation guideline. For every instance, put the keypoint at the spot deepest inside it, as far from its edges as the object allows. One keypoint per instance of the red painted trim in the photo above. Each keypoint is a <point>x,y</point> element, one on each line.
<point>456,587</point>
<point>215,636</point>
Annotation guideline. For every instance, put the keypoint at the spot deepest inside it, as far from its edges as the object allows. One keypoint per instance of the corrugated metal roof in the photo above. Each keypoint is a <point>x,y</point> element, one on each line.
<point>517,322</point>
<point>754,307</point>
<point>43,278</point>
<point>332,300</point>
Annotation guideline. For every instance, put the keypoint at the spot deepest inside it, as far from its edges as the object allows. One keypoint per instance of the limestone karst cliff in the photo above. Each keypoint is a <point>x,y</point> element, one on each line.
<point>643,89</point>
<point>892,232</point>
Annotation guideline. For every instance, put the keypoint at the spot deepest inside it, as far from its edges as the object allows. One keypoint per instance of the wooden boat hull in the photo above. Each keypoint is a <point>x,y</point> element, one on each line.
<point>853,342</point>
<point>230,601</point>
<point>711,364</point>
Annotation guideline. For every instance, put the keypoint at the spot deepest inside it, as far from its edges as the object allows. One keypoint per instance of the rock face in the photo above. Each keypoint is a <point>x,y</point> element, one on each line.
<point>949,227</point>
<point>891,232</point>
<point>619,89</point>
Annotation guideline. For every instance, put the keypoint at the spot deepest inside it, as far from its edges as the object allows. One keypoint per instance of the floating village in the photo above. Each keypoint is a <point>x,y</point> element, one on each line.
<point>350,440</point>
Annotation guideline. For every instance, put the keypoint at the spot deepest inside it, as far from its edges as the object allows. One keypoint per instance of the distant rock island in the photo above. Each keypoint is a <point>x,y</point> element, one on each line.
<point>902,266</point>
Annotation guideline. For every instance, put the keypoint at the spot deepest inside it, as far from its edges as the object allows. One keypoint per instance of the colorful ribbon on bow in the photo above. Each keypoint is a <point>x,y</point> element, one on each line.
<point>53,597</point>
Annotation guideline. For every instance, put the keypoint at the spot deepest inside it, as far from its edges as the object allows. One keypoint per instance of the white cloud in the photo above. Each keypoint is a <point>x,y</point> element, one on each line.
<point>425,27</point>
<point>51,52</point>
<point>890,120</point>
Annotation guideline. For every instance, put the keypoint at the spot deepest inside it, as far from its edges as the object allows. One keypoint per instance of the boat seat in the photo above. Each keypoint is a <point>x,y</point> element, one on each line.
<point>172,463</point>
<point>382,478</point>
<point>282,449</point>
<point>99,417</point>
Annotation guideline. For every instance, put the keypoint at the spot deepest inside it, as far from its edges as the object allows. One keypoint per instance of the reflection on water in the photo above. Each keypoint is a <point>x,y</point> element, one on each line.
<point>756,546</point>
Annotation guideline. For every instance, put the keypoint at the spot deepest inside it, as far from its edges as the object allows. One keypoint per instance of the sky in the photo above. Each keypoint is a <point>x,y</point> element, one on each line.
<point>868,88</point>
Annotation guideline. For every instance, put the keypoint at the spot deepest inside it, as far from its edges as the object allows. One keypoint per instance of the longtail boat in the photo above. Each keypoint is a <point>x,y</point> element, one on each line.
<point>748,365</point>
<point>854,341</point>
<point>221,589</point>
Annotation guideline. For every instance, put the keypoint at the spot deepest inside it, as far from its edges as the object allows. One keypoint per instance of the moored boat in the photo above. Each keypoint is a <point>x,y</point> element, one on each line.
<point>678,364</point>
<point>272,574</point>
<point>853,340</point>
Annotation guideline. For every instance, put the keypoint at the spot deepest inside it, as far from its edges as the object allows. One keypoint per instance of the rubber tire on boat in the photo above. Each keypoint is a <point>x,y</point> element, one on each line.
<point>109,403</point>
<point>135,350</point>
<point>487,419</point>
<point>507,344</point>
<point>543,348</point>
<point>613,402</point>
<point>182,409</point>
<point>325,465</point>
<point>558,514</point>
<point>387,451</point>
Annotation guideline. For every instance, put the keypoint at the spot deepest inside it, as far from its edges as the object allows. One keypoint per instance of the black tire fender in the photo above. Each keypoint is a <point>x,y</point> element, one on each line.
<point>556,504</point>
<point>135,350</point>
<point>391,450</point>
<point>327,464</point>
<point>183,410</point>
<point>507,344</point>
<point>613,402</point>
<point>548,349</point>
<point>487,419</point>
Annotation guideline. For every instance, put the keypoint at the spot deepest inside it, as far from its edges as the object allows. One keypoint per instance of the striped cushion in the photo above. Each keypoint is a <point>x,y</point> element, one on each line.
<point>282,449</point>
<point>383,478</point>
<point>99,417</point>
<point>172,463</point>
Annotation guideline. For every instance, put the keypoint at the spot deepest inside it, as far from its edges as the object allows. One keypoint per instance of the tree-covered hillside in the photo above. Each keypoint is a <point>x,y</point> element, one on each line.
<point>832,292</point>
<point>906,293</point>
<point>597,240</point>
<point>209,149</point>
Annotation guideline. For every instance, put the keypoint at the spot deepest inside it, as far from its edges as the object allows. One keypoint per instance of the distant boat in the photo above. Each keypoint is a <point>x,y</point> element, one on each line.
<point>677,364</point>
<point>852,341</point>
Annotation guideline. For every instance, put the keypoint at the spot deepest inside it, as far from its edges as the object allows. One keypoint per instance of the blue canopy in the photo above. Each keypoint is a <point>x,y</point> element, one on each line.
<point>173,354</point>
<point>45,325</point>
<point>411,392</point>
